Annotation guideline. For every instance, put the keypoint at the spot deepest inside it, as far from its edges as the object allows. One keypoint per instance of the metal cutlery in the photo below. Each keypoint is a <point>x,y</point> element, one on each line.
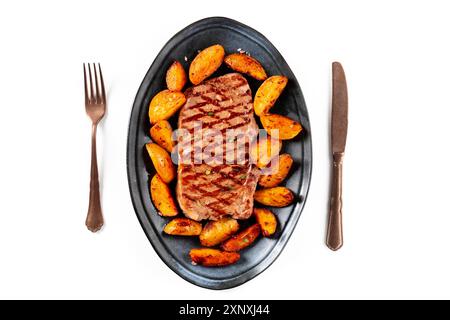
<point>339,123</point>
<point>95,101</point>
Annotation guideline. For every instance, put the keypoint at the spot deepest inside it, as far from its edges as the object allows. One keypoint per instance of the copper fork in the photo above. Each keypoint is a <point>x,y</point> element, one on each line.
<point>95,100</point>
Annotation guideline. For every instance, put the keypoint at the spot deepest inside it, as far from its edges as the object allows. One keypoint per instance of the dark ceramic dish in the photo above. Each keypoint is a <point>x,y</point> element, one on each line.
<point>174,250</point>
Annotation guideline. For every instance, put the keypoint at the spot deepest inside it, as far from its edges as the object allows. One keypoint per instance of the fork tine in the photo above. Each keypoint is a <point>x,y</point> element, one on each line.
<point>102,84</point>
<point>86,93</point>
<point>93,98</point>
<point>97,90</point>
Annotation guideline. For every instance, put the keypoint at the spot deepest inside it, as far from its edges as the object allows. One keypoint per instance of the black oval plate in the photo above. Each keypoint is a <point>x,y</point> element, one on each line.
<point>174,250</point>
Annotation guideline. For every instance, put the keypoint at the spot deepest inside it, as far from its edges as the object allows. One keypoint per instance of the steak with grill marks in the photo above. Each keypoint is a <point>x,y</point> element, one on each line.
<point>215,176</point>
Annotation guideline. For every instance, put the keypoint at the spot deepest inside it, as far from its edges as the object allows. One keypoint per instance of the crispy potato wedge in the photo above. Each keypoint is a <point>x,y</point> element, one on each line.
<point>278,171</point>
<point>274,197</point>
<point>266,220</point>
<point>162,197</point>
<point>268,93</point>
<point>215,232</point>
<point>212,257</point>
<point>243,63</point>
<point>164,105</point>
<point>286,127</point>
<point>206,63</point>
<point>176,77</point>
<point>183,227</point>
<point>243,239</point>
<point>264,150</point>
<point>161,133</point>
<point>161,161</point>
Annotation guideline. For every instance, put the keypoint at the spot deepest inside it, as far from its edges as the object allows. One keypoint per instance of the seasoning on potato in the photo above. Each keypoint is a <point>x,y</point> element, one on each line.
<point>264,150</point>
<point>215,232</point>
<point>161,133</point>
<point>274,197</point>
<point>176,77</point>
<point>243,63</point>
<point>266,220</point>
<point>277,172</point>
<point>162,197</point>
<point>183,227</point>
<point>161,161</point>
<point>268,93</point>
<point>243,239</point>
<point>164,105</point>
<point>206,63</point>
<point>286,127</point>
<point>213,257</point>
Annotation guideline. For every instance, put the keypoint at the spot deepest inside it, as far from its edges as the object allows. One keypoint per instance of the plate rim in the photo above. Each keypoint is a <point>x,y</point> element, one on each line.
<point>135,192</point>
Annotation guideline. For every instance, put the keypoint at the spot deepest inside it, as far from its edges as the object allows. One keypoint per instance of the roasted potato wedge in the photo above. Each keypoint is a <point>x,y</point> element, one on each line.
<point>162,197</point>
<point>277,172</point>
<point>266,220</point>
<point>164,105</point>
<point>274,197</point>
<point>286,127</point>
<point>243,63</point>
<point>268,93</point>
<point>206,63</point>
<point>215,232</point>
<point>176,77</point>
<point>161,133</point>
<point>213,257</point>
<point>264,149</point>
<point>243,239</point>
<point>161,161</point>
<point>183,227</point>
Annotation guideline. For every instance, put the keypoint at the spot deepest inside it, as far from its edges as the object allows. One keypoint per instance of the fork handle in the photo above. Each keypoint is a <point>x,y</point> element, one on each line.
<point>335,238</point>
<point>94,220</point>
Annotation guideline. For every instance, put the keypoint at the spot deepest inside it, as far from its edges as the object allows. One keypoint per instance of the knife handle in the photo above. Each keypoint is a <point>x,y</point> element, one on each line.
<point>335,238</point>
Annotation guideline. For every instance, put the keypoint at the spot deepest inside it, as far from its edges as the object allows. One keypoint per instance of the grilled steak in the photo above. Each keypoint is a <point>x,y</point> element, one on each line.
<point>216,126</point>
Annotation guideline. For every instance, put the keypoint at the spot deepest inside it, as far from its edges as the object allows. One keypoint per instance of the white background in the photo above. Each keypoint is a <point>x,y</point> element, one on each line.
<point>396,179</point>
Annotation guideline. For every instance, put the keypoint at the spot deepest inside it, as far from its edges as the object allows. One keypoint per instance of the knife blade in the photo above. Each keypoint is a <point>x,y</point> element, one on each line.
<point>339,124</point>
<point>339,107</point>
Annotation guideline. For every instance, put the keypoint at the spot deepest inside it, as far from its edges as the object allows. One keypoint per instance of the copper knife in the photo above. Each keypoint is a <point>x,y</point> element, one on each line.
<point>339,123</point>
